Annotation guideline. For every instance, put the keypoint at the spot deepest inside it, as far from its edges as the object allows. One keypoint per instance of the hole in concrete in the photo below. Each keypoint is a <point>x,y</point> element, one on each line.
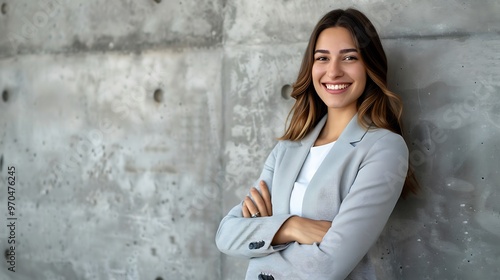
<point>158,95</point>
<point>286,91</point>
<point>4,8</point>
<point>159,278</point>
<point>5,95</point>
<point>6,254</point>
<point>158,1</point>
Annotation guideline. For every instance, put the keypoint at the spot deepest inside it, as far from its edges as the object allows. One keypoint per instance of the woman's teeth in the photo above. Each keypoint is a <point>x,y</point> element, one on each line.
<point>337,86</point>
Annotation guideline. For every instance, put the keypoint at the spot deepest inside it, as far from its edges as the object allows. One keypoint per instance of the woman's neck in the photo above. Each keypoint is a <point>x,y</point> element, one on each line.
<point>336,122</point>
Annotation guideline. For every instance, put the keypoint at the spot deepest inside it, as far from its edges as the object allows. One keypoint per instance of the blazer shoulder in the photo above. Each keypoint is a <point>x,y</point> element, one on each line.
<point>283,144</point>
<point>384,136</point>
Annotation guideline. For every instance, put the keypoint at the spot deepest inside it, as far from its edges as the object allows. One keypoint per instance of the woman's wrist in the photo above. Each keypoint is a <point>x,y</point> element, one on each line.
<point>285,233</point>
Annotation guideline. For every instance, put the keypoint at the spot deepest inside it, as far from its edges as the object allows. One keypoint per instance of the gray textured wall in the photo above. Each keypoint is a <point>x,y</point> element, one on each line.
<point>135,125</point>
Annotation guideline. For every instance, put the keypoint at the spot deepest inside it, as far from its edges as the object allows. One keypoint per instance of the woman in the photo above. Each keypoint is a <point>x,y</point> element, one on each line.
<point>332,181</point>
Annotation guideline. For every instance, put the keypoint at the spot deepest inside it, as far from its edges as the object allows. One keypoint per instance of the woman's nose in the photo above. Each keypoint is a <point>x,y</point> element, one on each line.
<point>334,69</point>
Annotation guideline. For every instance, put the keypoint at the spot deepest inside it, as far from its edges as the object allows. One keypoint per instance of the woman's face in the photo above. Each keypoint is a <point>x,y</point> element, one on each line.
<point>338,73</point>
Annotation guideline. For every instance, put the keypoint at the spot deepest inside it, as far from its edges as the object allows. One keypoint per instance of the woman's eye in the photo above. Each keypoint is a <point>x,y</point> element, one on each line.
<point>350,58</point>
<point>321,58</point>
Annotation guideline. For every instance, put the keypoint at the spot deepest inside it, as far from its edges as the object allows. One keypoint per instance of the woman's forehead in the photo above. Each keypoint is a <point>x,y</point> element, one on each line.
<point>335,37</point>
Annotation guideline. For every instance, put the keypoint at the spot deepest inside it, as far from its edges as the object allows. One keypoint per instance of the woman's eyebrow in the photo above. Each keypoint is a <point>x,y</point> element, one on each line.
<point>342,51</point>
<point>347,51</point>
<point>321,51</point>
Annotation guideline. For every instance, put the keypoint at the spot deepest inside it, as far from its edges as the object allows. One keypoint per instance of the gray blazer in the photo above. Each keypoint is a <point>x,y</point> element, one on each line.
<point>356,187</point>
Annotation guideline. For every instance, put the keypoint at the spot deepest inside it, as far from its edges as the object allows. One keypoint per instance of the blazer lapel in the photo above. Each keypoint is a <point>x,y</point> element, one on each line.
<point>337,156</point>
<point>353,133</point>
<point>291,164</point>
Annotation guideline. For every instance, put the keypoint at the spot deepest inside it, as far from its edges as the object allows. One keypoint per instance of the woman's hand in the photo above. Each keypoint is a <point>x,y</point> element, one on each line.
<point>261,203</point>
<point>301,230</point>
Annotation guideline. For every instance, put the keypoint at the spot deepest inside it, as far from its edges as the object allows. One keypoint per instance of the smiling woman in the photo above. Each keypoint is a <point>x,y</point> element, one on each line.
<point>338,73</point>
<point>330,184</point>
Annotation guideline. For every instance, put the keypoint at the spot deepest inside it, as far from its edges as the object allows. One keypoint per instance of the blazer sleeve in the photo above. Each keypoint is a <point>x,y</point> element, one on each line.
<point>251,237</point>
<point>361,217</point>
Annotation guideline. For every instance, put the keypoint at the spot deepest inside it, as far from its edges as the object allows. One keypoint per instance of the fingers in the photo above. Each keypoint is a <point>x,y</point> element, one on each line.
<point>259,202</point>
<point>252,209</point>
<point>245,211</point>
<point>267,197</point>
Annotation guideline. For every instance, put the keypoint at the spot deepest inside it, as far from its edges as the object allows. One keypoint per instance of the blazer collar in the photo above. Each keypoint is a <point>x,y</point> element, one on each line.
<point>353,133</point>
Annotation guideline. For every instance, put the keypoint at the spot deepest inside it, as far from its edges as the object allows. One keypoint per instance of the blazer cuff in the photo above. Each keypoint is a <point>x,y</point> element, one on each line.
<point>250,237</point>
<point>270,226</point>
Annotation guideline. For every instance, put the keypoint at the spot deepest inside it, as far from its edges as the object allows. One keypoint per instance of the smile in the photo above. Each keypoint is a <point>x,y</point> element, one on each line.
<point>337,86</point>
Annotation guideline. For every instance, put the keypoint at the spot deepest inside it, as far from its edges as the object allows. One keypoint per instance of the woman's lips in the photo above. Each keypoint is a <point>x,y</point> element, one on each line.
<point>336,88</point>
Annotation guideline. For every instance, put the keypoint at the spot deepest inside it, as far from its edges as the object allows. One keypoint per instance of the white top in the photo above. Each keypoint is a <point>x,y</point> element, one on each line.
<point>311,164</point>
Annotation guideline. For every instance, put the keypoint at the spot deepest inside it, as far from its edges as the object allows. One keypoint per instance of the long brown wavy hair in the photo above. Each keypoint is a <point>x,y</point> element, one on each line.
<point>377,105</point>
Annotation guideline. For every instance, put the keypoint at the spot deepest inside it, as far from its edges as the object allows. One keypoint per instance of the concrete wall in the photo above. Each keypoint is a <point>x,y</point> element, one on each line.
<point>135,125</point>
